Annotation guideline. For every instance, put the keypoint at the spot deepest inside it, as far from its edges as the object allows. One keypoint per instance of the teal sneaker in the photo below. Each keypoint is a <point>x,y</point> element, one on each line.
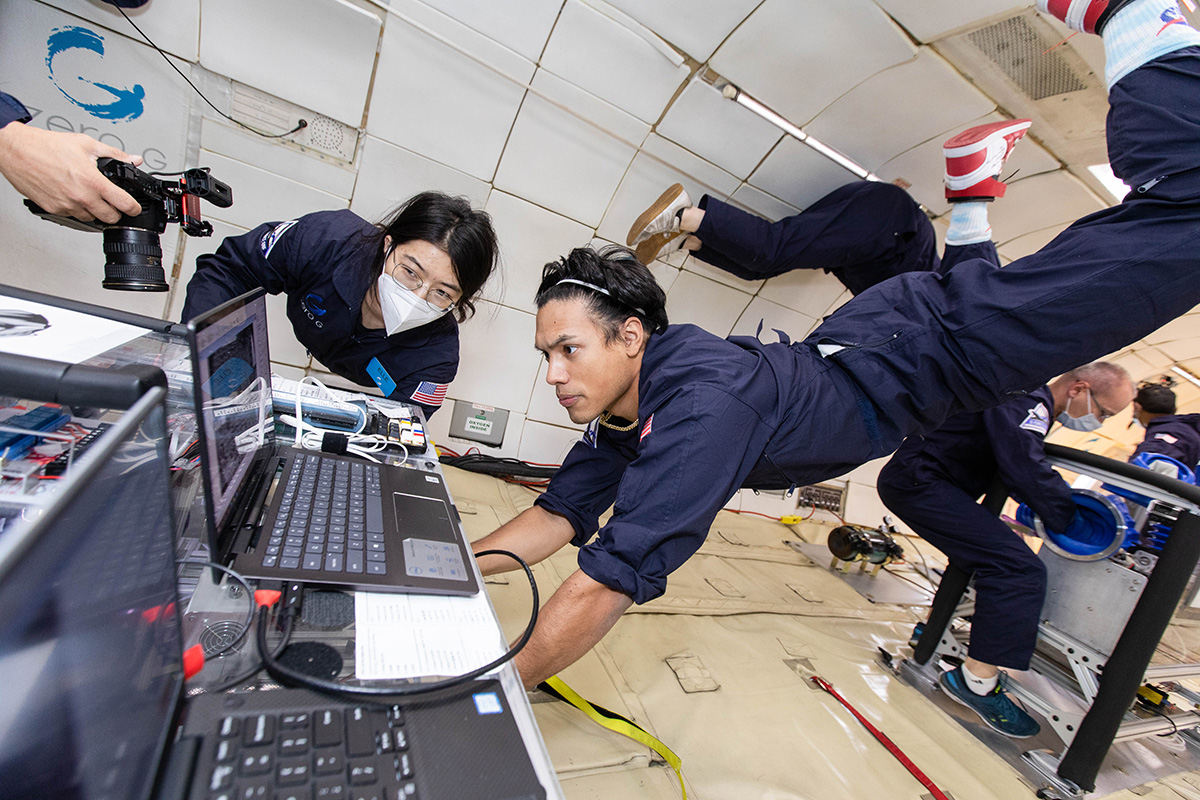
<point>995,708</point>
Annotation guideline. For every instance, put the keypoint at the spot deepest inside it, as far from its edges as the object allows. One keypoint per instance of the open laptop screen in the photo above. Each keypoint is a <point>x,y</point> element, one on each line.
<point>233,394</point>
<point>90,646</point>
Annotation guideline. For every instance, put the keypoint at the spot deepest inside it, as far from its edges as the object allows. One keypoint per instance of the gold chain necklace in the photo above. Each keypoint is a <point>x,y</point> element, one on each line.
<point>607,415</point>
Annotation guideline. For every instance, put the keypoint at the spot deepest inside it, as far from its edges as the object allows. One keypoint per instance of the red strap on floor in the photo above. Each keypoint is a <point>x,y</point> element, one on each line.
<point>938,794</point>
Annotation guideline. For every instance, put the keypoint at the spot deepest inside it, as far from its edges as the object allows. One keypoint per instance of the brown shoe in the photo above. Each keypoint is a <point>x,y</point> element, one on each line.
<point>658,225</point>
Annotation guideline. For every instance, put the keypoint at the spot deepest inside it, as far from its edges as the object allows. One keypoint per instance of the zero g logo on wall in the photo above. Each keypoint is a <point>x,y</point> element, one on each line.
<point>114,103</point>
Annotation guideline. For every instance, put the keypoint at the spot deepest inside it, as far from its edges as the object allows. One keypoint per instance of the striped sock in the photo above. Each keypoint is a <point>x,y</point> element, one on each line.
<point>1141,32</point>
<point>968,223</point>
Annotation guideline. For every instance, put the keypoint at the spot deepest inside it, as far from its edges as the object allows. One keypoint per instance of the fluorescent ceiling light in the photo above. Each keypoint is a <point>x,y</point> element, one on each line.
<point>735,94</point>
<point>1114,185</point>
<point>1185,374</point>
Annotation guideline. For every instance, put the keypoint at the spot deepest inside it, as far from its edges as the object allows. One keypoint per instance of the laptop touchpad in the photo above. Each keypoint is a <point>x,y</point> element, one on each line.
<point>430,542</point>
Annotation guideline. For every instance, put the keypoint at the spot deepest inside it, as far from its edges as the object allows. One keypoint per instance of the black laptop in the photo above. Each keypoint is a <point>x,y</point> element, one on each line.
<point>283,513</point>
<point>93,699</point>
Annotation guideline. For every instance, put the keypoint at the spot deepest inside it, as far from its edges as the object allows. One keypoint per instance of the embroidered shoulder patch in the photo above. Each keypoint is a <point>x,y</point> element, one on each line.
<point>267,242</point>
<point>1037,420</point>
<point>1166,437</point>
<point>589,435</point>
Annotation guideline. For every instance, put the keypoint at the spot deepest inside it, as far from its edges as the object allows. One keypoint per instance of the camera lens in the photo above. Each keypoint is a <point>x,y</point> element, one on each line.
<point>133,260</point>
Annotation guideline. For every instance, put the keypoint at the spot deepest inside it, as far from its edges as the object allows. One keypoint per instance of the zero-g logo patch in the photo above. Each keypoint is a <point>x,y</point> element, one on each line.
<point>312,308</point>
<point>126,103</point>
<point>313,301</point>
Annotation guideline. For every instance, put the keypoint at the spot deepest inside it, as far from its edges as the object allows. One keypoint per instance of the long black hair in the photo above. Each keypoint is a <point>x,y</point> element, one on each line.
<point>619,287</point>
<point>450,223</point>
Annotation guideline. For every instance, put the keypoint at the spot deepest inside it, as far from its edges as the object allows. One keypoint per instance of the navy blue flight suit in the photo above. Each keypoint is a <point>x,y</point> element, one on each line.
<point>324,261</point>
<point>933,483</point>
<point>864,232</point>
<point>12,110</point>
<point>715,415</point>
<point>1174,435</point>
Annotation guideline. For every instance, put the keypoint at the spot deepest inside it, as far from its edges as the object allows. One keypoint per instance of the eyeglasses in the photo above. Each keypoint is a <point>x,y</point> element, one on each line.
<point>404,275</point>
<point>1104,413</point>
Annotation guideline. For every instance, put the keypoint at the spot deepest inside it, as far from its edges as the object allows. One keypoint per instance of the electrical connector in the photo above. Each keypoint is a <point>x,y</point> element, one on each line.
<point>193,661</point>
<point>1152,696</point>
<point>293,597</point>
<point>791,520</point>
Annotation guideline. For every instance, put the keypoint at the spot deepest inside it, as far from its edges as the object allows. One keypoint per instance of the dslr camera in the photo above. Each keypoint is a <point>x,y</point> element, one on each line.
<point>132,250</point>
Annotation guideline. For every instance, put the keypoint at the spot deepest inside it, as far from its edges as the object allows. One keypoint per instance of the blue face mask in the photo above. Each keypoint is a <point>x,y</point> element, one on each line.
<point>1088,422</point>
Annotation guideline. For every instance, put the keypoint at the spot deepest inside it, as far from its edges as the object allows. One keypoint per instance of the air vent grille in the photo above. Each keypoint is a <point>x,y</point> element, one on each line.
<point>219,635</point>
<point>1026,57</point>
<point>268,113</point>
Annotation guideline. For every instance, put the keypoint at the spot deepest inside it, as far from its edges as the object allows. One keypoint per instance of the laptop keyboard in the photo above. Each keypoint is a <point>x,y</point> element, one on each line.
<point>344,753</point>
<point>330,518</point>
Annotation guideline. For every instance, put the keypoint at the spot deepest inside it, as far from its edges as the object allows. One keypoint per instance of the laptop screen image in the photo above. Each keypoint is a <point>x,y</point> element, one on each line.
<point>233,396</point>
<point>90,644</point>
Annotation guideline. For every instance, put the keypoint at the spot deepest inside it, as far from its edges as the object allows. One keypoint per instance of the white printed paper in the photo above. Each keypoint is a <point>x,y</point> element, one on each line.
<point>43,331</point>
<point>410,636</point>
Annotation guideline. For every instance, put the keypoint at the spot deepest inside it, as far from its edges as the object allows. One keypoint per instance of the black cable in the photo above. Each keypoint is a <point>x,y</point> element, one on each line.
<point>299,126</point>
<point>1158,710</point>
<point>247,674</point>
<point>491,465</point>
<point>249,594</point>
<point>922,587</point>
<point>380,694</point>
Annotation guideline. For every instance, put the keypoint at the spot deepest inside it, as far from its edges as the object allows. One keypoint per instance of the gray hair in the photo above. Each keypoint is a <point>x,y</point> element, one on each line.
<point>1102,374</point>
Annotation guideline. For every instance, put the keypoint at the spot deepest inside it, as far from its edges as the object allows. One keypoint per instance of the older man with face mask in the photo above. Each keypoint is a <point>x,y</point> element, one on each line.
<point>932,483</point>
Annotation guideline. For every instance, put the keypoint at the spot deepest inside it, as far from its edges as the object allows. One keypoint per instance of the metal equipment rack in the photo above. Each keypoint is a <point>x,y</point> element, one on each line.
<point>1110,683</point>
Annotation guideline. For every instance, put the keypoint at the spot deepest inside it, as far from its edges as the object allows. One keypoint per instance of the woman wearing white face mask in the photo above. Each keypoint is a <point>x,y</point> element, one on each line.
<point>377,304</point>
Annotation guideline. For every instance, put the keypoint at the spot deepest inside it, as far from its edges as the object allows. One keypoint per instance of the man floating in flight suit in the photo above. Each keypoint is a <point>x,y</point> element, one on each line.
<point>862,233</point>
<point>933,482</point>
<point>684,419</point>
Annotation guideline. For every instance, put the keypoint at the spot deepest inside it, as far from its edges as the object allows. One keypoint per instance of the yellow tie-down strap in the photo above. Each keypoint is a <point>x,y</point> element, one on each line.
<point>555,687</point>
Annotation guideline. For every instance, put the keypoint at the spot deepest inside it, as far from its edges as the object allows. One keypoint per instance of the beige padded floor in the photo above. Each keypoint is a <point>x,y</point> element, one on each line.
<point>718,667</point>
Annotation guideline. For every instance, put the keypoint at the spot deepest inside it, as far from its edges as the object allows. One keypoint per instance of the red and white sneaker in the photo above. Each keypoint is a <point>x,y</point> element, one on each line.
<point>1087,16</point>
<point>975,157</point>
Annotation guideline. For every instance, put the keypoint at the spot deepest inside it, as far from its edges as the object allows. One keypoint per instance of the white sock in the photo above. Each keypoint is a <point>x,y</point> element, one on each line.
<point>1141,32</point>
<point>968,223</point>
<point>980,686</point>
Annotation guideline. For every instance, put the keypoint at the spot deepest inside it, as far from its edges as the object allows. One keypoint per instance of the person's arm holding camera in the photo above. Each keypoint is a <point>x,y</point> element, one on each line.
<point>57,170</point>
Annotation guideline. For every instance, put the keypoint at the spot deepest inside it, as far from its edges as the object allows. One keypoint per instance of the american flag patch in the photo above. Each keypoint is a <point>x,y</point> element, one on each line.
<point>430,394</point>
<point>646,427</point>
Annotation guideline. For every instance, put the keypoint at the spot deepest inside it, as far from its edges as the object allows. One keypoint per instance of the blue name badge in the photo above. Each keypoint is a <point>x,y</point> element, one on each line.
<point>381,377</point>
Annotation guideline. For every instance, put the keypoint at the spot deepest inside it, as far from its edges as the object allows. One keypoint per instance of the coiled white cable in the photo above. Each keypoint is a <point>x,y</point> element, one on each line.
<point>362,423</point>
<point>311,437</point>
